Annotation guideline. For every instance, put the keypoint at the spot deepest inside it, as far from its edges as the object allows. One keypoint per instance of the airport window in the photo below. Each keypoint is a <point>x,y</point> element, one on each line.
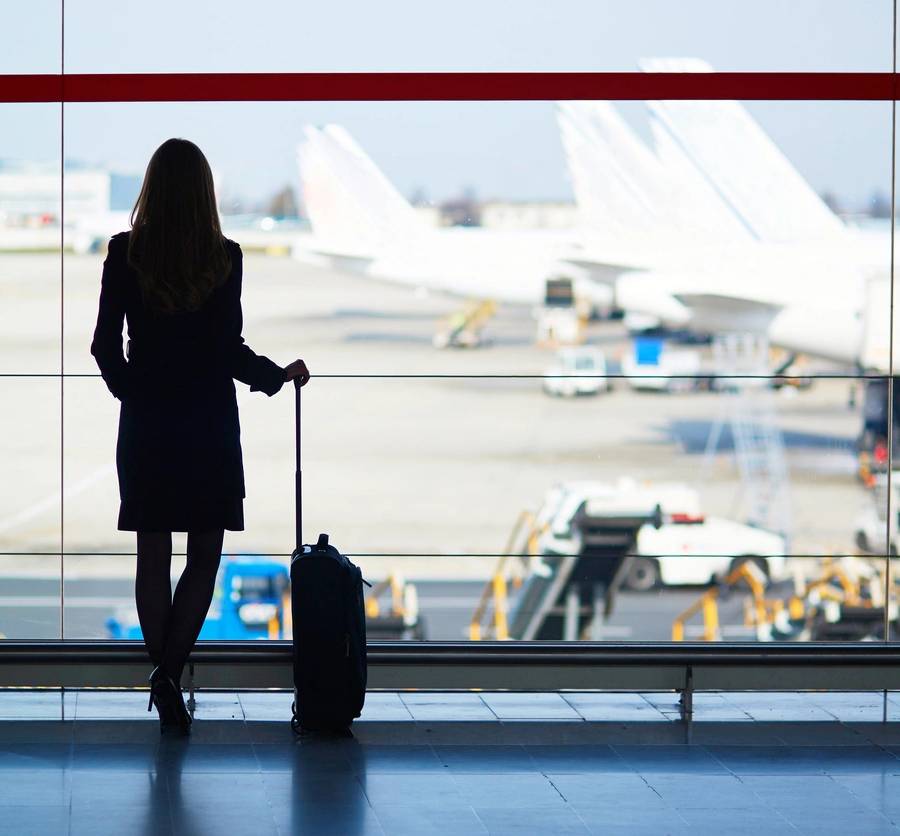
<point>613,369</point>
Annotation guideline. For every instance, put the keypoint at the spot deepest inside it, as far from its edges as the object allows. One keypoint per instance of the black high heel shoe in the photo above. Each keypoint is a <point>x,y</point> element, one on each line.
<point>166,696</point>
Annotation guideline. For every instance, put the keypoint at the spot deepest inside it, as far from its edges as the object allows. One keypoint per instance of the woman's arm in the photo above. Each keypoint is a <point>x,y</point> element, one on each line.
<point>107,343</point>
<point>260,373</point>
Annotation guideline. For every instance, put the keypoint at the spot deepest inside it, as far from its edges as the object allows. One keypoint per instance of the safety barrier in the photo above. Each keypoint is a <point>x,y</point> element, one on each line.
<point>492,666</point>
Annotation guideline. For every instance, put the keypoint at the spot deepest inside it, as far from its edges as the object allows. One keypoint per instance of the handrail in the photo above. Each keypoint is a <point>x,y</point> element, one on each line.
<point>496,587</point>
<point>483,666</point>
<point>493,585</point>
<point>74,652</point>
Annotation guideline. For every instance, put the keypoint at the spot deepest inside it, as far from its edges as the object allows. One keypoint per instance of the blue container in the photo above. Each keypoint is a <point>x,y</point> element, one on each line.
<point>647,350</point>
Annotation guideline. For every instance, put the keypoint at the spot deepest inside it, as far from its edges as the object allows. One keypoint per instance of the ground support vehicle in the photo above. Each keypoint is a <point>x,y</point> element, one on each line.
<point>653,365</point>
<point>577,371</point>
<point>252,601</point>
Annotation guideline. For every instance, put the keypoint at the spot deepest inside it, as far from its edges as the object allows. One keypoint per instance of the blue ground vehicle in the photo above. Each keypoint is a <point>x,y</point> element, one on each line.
<point>253,601</point>
<point>250,602</point>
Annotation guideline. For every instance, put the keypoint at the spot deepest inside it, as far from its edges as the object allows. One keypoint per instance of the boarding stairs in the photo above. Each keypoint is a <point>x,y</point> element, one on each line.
<point>561,596</point>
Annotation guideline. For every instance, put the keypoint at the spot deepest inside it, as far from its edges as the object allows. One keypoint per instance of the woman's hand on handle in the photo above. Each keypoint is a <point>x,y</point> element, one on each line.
<point>297,372</point>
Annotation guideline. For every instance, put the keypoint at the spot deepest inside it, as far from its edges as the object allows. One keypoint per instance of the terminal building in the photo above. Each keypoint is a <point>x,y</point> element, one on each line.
<point>529,215</point>
<point>598,529</point>
<point>31,190</point>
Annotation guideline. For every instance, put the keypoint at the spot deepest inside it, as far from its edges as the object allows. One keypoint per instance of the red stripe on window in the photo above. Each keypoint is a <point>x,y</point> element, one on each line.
<point>30,88</point>
<point>179,87</point>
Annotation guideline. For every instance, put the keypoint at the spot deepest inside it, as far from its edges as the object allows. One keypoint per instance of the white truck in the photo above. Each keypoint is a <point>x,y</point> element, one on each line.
<point>577,371</point>
<point>686,548</point>
<point>656,366</point>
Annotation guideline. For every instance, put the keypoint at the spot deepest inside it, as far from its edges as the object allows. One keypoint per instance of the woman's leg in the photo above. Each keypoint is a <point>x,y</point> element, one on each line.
<point>153,589</point>
<point>193,595</point>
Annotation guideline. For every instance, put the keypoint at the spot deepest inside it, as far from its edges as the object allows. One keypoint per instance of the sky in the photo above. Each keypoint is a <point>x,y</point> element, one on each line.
<point>506,150</point>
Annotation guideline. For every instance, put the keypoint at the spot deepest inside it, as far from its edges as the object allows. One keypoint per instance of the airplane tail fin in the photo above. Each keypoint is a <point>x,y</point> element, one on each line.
<point>675,202</point>
<point>351,205</point>
<point>742,164</point>
<point>613,209</point>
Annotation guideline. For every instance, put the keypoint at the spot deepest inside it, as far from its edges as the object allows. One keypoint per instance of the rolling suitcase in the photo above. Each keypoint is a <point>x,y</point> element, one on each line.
<point>329,629</point>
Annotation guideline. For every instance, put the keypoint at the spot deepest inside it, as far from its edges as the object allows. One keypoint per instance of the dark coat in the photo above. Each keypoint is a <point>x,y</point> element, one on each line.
<point>179,451</point>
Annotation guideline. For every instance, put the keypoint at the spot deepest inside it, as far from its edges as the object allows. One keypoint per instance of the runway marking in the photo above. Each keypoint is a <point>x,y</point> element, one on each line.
<point>734,631</point>
<point>52,501</point>
<point>31,601</point>
<point>448,603</point>
<point>611,631</point>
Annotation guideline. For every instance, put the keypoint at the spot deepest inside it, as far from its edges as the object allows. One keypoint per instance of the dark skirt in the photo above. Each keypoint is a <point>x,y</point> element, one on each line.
<point>179,460</point>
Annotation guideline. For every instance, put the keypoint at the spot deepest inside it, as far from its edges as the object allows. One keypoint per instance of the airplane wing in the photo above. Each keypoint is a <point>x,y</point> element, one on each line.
<point>307,250</point>
<point>714,312</point>
<point>606,264</point>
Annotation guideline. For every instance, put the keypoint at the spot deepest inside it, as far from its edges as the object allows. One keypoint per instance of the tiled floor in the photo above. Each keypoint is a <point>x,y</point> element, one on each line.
<point>92,763</point>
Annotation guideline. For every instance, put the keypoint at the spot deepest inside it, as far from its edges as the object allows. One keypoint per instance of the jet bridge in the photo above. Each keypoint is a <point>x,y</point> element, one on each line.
<point>569,593</point>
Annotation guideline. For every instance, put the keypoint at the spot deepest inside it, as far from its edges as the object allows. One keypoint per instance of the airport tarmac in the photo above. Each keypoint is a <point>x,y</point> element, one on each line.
<point>437,463</point>
<point>29,608</point>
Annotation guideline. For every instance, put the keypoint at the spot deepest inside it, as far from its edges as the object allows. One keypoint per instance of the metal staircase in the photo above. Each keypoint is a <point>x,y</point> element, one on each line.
<point>749,410</point>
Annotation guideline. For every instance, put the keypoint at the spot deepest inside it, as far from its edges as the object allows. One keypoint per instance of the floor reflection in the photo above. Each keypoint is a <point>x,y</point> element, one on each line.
<point>629,768</point>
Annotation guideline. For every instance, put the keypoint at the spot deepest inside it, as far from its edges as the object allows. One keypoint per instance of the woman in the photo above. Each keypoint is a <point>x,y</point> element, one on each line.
<point>176,280</point>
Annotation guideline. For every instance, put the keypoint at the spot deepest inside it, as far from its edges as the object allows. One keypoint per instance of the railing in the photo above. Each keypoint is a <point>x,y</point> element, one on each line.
<point>529,666</point>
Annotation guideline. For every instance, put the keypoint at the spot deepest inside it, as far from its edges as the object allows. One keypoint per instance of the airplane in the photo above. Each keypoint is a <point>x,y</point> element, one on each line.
<point>361,223</point>
<point>659,233</point>
<point>681,230</point>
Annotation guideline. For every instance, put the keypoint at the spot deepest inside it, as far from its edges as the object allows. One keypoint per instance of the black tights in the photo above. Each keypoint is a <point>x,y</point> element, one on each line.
<point>171,625</point>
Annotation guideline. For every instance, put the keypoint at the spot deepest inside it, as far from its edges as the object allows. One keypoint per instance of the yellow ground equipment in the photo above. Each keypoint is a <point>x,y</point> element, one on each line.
<point>844,602</point>
<point>464,329</point>
<point>510,571</point>
<point>708,603</point>
<point>401,619</point>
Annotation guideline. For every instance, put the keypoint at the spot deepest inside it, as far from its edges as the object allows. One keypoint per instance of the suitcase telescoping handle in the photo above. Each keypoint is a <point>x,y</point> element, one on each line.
<point>298,492</point>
